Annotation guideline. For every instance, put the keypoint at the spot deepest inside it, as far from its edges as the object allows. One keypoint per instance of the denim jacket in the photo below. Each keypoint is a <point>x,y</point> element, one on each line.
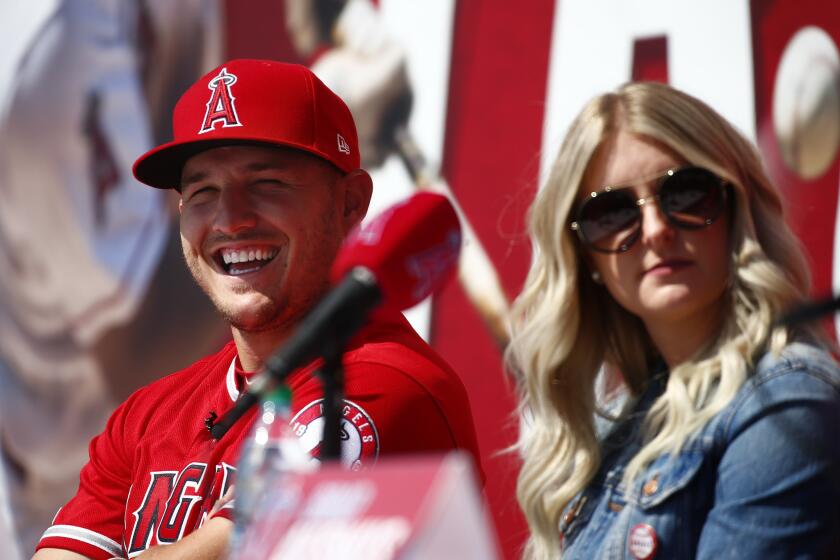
<point>760,480</point>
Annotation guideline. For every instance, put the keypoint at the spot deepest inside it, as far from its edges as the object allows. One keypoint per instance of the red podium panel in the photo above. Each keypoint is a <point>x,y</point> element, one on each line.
<point>407,509</point>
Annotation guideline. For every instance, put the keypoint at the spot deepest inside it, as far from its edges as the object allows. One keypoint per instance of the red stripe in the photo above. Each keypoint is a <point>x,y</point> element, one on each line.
<point>498,80</point>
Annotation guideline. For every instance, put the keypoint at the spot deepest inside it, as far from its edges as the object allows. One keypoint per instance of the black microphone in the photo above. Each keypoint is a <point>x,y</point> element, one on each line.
<point>809,311</point>
<point>396,260</point>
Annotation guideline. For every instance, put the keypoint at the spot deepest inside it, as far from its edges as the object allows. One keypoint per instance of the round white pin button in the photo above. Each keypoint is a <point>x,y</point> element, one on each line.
<point>642,541</point>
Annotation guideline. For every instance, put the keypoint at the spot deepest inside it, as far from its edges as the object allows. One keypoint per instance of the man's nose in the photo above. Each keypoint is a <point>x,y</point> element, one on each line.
<point>235,211</point>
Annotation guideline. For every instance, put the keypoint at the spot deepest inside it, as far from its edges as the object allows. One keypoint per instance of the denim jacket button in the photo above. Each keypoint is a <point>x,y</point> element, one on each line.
<point>642,541</point>
<point>651,486</point>
<point>573,512</point>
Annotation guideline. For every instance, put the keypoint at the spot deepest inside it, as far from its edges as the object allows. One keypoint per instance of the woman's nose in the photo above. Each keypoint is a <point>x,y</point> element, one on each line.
<point>656,229</point>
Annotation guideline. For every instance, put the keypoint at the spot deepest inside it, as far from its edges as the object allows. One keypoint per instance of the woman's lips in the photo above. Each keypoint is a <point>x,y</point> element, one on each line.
<point>667,267</point>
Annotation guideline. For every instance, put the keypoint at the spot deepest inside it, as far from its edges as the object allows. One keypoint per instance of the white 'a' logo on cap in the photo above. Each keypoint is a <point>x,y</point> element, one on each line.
<point>222,103</point>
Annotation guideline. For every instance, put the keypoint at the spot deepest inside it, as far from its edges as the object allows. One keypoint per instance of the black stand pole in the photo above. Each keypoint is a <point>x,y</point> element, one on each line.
<point>331,374</point>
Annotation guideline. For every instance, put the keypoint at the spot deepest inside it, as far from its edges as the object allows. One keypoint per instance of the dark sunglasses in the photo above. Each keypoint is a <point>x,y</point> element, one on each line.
<point>610,221</point>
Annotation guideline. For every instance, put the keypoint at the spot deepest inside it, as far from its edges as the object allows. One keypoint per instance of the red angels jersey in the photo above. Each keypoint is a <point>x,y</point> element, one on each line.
<point>155,471</point>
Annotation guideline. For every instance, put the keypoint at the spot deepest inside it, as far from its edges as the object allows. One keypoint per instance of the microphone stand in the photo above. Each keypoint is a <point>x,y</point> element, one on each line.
<point>331,374</point>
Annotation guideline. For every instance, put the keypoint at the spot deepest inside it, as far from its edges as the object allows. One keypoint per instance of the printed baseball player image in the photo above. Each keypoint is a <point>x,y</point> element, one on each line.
<point>92,261</point>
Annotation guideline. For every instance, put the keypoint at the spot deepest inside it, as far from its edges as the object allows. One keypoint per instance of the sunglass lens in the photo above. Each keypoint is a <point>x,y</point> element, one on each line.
<point>692,197</point>
<point>608,220</point>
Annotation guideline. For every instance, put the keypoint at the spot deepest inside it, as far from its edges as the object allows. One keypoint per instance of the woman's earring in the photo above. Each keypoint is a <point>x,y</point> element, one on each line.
<point>596,277</point>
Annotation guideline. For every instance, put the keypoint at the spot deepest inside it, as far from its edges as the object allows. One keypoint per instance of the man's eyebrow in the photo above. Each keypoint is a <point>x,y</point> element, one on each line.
<point>193,178</point>
<point>259,166</point>
<point>202,175</point>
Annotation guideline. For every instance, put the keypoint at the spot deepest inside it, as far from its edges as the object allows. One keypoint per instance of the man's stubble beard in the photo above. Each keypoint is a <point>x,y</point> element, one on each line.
<point>274,313</point>
<point>270,314</point>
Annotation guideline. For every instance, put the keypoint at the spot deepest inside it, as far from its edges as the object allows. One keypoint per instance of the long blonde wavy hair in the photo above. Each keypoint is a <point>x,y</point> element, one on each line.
<point>565,327</point>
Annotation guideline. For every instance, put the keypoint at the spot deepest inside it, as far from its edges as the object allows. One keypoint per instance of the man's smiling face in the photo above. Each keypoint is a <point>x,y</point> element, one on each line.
<point>260,227</point>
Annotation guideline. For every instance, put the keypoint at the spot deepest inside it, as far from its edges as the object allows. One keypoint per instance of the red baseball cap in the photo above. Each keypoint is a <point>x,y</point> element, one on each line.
<point>245,101</point>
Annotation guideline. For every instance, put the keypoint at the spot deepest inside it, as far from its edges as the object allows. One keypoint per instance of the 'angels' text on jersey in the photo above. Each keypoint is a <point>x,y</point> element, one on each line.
<point>173,503</point>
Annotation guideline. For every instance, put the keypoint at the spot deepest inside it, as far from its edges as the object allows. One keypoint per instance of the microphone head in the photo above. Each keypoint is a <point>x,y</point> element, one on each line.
<point>411,248</point>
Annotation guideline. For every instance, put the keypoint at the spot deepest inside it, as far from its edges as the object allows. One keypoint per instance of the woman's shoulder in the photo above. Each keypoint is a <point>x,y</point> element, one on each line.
<point>798,359</point>
<point>800,376</point>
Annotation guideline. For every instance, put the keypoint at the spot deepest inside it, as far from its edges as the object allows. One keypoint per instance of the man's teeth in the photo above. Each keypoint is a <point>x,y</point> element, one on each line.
<point>247,255</point>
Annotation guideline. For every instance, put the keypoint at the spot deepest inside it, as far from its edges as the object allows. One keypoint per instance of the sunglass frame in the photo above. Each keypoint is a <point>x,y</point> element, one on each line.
<point>660,179</point>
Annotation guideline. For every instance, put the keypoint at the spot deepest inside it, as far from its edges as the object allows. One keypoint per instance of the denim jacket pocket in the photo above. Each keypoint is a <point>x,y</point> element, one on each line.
<point>668,475</point>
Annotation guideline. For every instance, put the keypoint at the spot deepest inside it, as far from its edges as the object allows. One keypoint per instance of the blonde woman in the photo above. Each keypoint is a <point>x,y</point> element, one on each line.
<point>665,412</point>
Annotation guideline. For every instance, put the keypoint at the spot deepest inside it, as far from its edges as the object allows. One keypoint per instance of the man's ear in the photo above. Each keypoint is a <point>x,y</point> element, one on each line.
<point>358,188</point>
<point>180,205</point>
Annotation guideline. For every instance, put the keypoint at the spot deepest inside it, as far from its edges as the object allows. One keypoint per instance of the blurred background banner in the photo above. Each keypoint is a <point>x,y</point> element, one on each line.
<point>467,97</point>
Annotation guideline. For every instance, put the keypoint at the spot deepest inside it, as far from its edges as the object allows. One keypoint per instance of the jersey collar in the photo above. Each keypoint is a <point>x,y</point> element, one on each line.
<point>236,377</point>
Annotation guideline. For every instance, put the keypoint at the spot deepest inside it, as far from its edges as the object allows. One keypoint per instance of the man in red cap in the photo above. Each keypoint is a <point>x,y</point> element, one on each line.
<point>266,161</point>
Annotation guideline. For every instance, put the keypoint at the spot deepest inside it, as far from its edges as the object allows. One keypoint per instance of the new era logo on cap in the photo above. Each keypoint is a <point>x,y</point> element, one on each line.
<point>258,101</point>
<point>343,147</point>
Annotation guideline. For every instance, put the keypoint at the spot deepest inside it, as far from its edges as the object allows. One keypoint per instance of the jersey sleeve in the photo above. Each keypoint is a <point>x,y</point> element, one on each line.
<point>91,523</point>
<point>407,417</point>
